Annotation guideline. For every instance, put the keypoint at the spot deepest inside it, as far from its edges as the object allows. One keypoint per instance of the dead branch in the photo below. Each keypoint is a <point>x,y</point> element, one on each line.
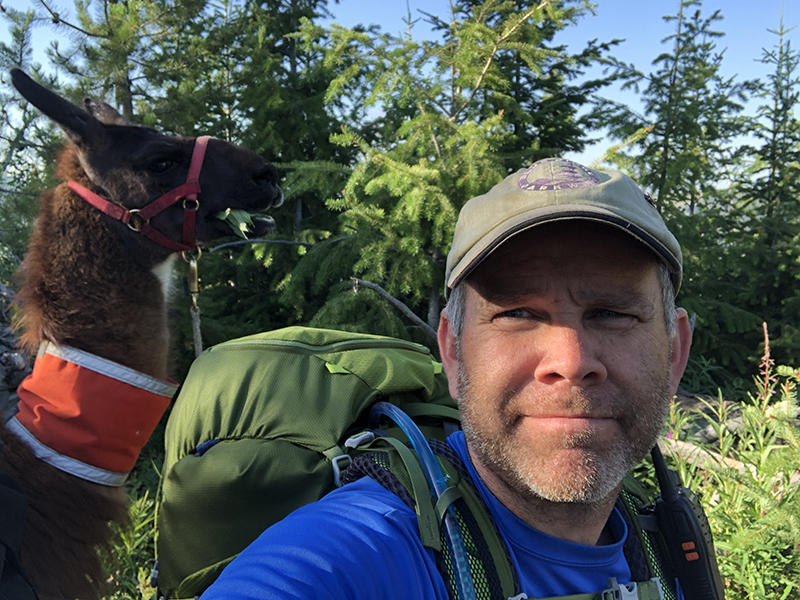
<point>359,283</point>
<point>258,241</point>
<point>693,454</point>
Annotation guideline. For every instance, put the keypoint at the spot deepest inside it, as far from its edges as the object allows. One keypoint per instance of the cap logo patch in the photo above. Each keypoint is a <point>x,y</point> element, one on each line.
<point>556,174</point>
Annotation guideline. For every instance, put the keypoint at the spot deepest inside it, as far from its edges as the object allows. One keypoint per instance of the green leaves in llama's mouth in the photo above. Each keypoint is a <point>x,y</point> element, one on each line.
<point>240,221</point>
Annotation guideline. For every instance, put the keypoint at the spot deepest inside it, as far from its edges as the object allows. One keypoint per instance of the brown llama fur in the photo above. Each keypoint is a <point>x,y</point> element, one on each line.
<point>89,282</point>
<point>79,284</point>
<point>58,505</point>
<point>76,288</point>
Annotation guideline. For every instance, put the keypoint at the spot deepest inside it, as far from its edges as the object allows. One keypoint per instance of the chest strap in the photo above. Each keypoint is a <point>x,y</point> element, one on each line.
<point>646,590</point>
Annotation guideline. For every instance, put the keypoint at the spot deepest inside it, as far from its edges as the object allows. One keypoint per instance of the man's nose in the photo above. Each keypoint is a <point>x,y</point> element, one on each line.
<point>568,355</point>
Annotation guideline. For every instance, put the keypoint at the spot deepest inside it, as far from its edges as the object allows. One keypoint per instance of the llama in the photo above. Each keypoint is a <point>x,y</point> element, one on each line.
<point>93,292</point>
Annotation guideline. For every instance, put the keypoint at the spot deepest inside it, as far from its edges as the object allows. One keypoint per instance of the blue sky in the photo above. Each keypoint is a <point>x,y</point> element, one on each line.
<point>639,22</point>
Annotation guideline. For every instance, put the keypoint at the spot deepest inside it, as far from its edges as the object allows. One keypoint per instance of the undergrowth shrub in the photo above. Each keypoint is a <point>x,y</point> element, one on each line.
<point>130,562</point>
<point>749,482</point>
<point>132,558</point>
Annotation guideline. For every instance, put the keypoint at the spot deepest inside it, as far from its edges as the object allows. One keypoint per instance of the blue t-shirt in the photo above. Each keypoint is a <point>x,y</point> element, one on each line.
<point>362,542</point>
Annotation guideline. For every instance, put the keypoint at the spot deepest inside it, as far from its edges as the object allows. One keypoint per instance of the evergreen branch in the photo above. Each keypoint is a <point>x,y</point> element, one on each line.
<point>56,18</point>
<point>490,60</point>
<point>23,143</point>
<point>259,241</point>
<point>360,283</point>
<point>18,141</point>
<point>433,133</point>
<point>638,135</point>
<point>8,190</point>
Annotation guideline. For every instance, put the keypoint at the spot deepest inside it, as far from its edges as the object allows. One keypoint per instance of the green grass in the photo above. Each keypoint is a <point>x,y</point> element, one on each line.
<point>131,561</point>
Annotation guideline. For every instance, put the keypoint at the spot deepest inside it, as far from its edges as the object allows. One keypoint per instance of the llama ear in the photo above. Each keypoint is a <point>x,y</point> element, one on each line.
<point>79,125</point>
<point>105,113</point>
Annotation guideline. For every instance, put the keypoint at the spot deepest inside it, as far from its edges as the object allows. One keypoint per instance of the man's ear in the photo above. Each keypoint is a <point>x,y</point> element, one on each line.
<point>681,343</point>
<point>449,354</point>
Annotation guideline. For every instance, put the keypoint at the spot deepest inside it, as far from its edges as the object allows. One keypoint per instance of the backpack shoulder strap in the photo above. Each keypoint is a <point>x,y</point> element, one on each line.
<point>492,570</point>
<point>636,508</point>
<point>479,527</point>
<point>493,567</point>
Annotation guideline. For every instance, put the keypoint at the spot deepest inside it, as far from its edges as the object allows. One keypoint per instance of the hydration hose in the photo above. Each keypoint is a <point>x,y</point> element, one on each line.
<point>438,483</point>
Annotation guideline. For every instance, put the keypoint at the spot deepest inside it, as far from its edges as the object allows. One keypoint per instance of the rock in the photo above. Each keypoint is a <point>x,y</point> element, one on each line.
<point>14,364</point>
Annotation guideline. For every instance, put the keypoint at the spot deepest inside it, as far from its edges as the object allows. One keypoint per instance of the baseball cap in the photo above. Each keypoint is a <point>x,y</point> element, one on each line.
<point>556,189</point>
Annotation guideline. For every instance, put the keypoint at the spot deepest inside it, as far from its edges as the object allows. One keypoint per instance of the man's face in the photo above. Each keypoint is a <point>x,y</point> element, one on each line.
<point>564,368</point>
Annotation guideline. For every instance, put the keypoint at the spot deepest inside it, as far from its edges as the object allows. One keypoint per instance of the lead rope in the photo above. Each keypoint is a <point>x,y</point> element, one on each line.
<point>194,292</point>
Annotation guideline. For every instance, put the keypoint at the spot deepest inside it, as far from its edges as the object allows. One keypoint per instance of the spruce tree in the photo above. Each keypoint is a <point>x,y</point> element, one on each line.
<point>435,123</point>
<point>550,102</point>
<point>106,45</point>
<point>687,163</point>
<point>28,144</point>
<point>766,219</point>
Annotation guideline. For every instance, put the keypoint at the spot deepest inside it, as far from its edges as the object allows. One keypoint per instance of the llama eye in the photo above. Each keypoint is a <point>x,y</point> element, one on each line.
<point>160,166</point>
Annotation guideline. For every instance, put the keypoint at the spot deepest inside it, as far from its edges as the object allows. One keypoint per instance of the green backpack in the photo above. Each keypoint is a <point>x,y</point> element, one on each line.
<point>258,430</point>
<point>268,423</point>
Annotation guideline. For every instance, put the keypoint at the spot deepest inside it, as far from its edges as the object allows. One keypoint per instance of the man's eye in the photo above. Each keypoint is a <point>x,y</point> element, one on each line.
<point>611,316</point>
<point>515,313</point>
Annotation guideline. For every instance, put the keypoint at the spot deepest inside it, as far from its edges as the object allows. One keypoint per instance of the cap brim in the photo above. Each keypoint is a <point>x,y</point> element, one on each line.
<point>522,222</point>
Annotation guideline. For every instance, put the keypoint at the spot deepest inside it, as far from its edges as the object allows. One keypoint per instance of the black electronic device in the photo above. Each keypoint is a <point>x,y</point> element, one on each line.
<point>684,526</point>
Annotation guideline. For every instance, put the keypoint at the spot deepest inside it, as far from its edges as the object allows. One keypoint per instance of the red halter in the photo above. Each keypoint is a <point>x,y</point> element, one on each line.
<point>138,219</point>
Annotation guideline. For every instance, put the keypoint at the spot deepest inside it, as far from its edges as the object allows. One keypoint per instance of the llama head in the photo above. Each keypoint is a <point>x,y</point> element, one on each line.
<point>132,166</point>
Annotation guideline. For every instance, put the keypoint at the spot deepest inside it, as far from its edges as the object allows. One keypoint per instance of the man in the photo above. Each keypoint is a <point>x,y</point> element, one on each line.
<point>563,347</point>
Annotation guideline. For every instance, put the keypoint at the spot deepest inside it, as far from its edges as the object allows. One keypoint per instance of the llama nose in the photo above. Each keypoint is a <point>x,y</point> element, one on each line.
<point>268,175</point>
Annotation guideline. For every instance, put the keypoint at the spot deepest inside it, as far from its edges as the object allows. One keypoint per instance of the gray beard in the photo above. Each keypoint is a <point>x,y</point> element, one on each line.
<point>600,473</point>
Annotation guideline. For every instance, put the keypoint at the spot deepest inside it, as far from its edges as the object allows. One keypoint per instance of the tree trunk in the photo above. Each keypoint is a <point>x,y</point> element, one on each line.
<point>433,295</point>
